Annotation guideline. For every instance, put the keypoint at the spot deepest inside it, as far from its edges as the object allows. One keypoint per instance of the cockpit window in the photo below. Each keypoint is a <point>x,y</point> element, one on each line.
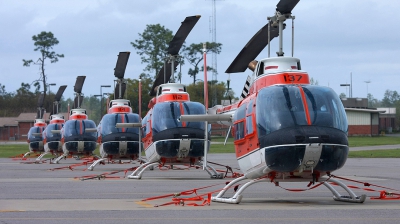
<point>280,107</point>
<point>110,120</point>
<point>239,126</point>
<point>325,107</point>
<point>34,133</point>
<point>51,127</point>
<point>194,108</point>
<point>77,127</point>
<point>165,115</point>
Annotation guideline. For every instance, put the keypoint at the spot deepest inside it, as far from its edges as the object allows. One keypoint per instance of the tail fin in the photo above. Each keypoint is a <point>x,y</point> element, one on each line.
<point>246,88</point>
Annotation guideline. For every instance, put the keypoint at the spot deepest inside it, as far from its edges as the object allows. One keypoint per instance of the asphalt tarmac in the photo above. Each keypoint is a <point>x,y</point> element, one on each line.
<point>32,193</point>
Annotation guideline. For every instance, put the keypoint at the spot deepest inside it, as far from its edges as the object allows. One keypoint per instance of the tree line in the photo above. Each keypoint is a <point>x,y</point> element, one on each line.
<point>23,100</point>
<point>151,45</point>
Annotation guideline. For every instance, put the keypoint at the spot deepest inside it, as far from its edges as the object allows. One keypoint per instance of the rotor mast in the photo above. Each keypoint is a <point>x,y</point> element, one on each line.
<point>278,20</point>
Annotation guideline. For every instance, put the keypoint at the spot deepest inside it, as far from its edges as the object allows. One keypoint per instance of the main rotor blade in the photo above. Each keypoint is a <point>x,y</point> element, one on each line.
<point>252,49</point>
<point>119,70</point>
<point>40,100</point>
<point>160,77</point>
<point>117,93</point>
<point>79,84</point>
<point>180,36</point>
<point>59,93</point>
<point>286,6</point>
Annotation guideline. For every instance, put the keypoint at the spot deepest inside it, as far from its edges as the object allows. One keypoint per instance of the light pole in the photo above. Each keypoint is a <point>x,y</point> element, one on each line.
<point>50,84</point>
<point>100,103</point>
<point>368,81</point>
<point>101,95</point>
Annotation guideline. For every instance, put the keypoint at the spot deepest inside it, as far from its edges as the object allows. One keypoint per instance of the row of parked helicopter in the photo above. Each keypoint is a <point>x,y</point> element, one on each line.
<point>284,128</point>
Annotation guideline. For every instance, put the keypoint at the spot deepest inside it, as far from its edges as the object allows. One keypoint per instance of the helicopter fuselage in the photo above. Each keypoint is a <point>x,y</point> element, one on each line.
<point>35,138</point>
<point>165,138</point>
<point>75,138</point>
<point>52,135</point>
<point>287,128</point>
<point>119,142</point>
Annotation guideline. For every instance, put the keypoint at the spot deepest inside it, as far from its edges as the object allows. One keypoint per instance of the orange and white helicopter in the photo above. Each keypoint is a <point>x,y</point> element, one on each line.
<point>51,135</point>
<point>119,143</point>
<point>78,135</point>
<point>35,138</point>
<point>168,142</point>
<point>285,130</point>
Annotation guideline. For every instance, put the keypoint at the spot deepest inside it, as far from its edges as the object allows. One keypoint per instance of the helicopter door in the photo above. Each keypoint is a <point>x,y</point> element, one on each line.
<point>251,140</point>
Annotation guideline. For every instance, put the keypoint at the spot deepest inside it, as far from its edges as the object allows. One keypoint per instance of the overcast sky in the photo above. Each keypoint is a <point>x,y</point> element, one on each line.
<point>333,39</point>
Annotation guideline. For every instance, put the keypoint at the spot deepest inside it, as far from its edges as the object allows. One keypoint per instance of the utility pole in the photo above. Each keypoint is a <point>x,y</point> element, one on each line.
<point>213,31</point>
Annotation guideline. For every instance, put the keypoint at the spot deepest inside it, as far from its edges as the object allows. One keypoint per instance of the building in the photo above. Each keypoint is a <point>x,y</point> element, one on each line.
<point>8,128</point>
<point>16,128</point>
<point>363,121</point>
<point>387,120</point>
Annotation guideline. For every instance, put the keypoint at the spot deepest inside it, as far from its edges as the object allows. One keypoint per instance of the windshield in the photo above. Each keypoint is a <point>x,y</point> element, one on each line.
<point>325,107</point>
<point>110,120</point>
<point>51,127</point>
<point>165,115</point>
<point>34,133</point>
<point>77,127</point>
<point>280,107</point>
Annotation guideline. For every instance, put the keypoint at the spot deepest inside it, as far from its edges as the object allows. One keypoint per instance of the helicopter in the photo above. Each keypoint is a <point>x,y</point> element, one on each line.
<point>118,143</point>
<point>78,135</point>
<point>285,130</point>
<point>35,138</point>
<point>52,138</point>
<point>166,141</point>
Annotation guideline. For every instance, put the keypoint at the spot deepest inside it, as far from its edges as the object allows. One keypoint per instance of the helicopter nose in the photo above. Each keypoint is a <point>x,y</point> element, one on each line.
<point>289,149</point>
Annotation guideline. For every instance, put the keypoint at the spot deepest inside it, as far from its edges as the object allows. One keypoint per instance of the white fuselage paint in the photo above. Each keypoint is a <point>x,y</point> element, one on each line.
<point>153,156</point>
<point>254,166</point>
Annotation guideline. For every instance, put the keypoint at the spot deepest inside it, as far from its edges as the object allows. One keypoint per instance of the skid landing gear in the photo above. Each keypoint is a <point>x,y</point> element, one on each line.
<point>60,157</point>
<point>352,197</point>
<point>95,163</point>
<point>212,172</point>
<point>138,173</point>
<point>237,197</point>
<point>41,156</point>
